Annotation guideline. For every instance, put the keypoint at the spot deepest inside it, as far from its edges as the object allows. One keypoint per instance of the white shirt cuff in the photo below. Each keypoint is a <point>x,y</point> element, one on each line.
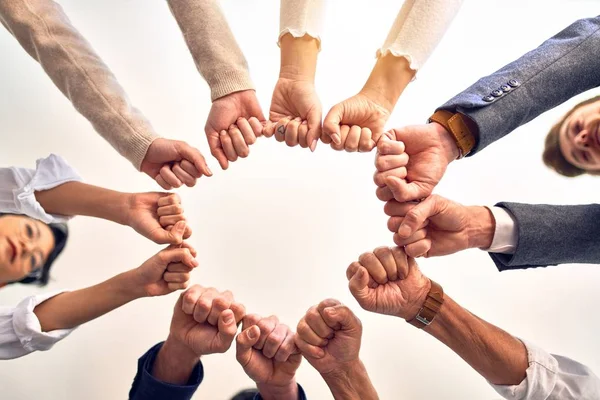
<point>20,330</point>
<point>505,234</point>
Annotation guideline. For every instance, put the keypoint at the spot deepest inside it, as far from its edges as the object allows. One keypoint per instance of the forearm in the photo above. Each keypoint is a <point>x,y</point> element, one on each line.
<point>351,383</point>
<point>212,45</point>
<point>496,355</point>
<point>174,363</point>
<point>388,79</point>
<point>77,198</point>
<point>298,57</point>
<point>70,309</point>
<point>45,32</point>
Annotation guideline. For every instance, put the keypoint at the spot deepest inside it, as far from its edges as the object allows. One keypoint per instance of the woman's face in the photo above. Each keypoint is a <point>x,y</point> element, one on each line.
<point>579,137</point>
<point>25,245</point>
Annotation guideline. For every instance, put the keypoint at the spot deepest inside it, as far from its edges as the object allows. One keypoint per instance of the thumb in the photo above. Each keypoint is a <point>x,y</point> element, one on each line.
<point>226,329</point>
<point>314,129</point>
<point>245,341</point>
<point>359,284</point>
<point>339,317</point>
<point>404,191</point>
<point>174,236</point>
<point>331,124</point>
<point>416,217</point>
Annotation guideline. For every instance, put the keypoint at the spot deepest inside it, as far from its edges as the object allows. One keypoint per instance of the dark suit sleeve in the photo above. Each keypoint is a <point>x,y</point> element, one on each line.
<point>562,67</point>
<point>551,235</point>
<point>146,387</point>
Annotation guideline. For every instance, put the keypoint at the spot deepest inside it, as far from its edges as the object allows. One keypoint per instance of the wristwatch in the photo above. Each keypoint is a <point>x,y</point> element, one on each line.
<point>458,126</point>
<point>432,305</point>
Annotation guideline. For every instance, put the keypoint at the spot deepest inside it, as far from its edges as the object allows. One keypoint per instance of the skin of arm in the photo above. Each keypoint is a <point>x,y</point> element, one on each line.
<point>400,289</point>
<point>165,272</point>
<point>153,215</point>
<point>351,382</point>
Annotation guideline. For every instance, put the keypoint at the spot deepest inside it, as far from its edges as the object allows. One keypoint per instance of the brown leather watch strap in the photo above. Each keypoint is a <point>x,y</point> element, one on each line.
<point>458,126</point>
<point>432,305</point>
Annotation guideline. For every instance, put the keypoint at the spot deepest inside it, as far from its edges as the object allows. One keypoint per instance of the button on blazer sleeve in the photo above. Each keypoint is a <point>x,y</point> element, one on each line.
<point>563,66</point>
<point>551,235</point>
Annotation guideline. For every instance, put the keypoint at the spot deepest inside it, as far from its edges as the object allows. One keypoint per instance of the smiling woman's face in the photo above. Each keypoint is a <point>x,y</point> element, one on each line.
<point>579,137</point>
<point>25,245</point>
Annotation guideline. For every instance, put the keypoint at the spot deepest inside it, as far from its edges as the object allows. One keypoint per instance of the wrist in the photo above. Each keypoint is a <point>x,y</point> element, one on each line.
<point>387,81</point>
<point>420,297</point>
<point>298,57</point>
<point>274,392</point>
<point>447,141</point>
<point>175,362</point>
<point>343,372</point>
<point>481,227</point>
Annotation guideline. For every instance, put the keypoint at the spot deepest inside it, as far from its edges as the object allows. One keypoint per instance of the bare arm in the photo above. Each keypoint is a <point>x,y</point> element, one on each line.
<point>498,356</point>
<point>351,383</point>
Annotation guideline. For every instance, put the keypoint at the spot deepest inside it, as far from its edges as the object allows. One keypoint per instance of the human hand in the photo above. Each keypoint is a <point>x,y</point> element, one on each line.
<point>355,124</point>
<point>385,281</point>
<point>438,226</point>
<point>205,320</point>
<point>329,337</point>
<point>167,271</point>
<point>234,122</point>
<point>172,163</point>
<point>154,215</point>
<point>295,114</point>
<point>269,356</point>
<point>430,149</point>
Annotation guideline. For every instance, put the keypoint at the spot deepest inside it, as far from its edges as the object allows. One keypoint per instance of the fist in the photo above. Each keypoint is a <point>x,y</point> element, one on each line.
<point>329,336</point>
<point>267,352</point>
<point>205,320</point>
<point>386,281</point>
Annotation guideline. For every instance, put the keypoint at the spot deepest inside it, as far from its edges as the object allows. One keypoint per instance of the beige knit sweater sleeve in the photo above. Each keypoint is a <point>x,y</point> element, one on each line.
<point>214,49</point>
<point>418,28</point>
<point>45,32</point>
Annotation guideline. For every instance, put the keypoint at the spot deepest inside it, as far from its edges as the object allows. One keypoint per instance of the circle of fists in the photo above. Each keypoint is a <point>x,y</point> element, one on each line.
<point>386,281</point>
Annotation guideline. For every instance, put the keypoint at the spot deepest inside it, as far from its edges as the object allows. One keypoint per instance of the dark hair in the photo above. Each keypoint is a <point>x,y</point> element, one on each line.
<point>247,394</point>
<point>60,231</point>
<point>553,156</point>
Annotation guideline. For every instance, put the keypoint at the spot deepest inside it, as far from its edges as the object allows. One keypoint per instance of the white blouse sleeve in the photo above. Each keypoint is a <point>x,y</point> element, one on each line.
<point>20,330</point>
<point>301,17</point>
<point>552,377</point>
<point>418,28</point>
<point>18,187</point>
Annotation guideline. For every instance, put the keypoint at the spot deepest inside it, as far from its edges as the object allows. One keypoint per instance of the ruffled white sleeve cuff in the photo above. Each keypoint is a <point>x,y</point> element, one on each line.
<point>20,330</point>
<point>18,187</point>
<point>418,28</point>
<point>300,18</point>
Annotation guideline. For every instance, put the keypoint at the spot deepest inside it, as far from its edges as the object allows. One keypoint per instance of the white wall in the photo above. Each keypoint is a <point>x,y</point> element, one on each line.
<point>280,227</point>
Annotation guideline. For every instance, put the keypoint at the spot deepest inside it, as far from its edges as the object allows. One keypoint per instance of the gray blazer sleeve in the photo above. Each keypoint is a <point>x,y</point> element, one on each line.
<point>551,235</point>
<point>563,66</point>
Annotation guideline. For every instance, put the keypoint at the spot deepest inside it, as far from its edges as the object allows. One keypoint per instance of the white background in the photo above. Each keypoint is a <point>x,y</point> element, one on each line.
<point>280,227</point>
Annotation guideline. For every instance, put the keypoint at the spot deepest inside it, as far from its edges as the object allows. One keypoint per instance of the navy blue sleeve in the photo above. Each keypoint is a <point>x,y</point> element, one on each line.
<point>147,387</point>
<point>301,394</point>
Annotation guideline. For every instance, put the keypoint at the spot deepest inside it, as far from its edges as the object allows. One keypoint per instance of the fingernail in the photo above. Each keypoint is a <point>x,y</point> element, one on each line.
<point>252,333</point>
<point>228,319</point>
<point>305,122</point>
<point>403,231</point>
<point>330,311</point>
<point>313,145</point>
<point>223,133</point>
<point>336,138</point>
<point>209,171</point>
<point>297,119</point>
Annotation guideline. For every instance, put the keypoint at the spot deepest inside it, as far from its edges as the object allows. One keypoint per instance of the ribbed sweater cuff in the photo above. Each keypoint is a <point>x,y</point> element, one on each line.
<point>227,82</point>
<point>138,145</point>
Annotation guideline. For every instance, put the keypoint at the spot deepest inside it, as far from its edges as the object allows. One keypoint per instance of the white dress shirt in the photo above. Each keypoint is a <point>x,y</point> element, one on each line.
<point>20,330</point>
<point>505,234</point>
<point>552,377</point>
<point>18,187</point>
